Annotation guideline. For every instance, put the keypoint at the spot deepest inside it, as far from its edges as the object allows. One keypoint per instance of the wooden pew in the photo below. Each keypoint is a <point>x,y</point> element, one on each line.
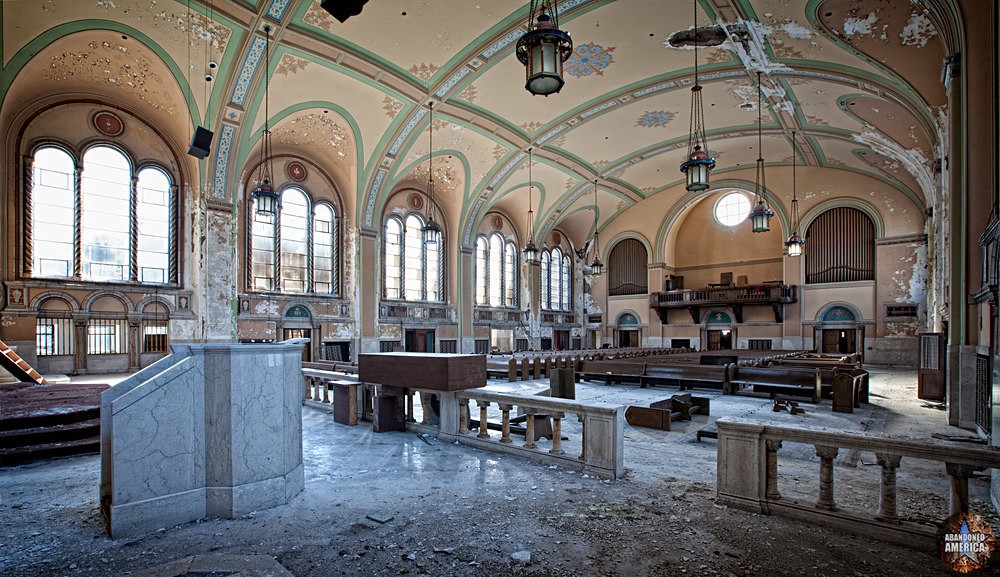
<point>660,414</point>
<point>611,371</point>
<point>685,376</point>
<point>806,383</point>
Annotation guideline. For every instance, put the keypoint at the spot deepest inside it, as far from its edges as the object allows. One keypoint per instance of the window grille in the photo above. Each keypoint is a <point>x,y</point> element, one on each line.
<point>106,336</point>
<point>53,336</point>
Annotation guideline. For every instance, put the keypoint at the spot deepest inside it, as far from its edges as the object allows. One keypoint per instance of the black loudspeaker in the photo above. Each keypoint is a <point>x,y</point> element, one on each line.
<point>201,143</point>
<point>343,9</point>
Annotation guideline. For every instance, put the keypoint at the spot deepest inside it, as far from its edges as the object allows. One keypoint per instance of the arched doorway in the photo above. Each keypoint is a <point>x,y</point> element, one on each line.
<point>719,332</point>
<point>628,330</point>
<point>839,331</point>
<point>298,325</point>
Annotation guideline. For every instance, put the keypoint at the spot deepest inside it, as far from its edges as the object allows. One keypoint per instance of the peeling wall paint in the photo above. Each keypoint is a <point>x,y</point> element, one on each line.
<point>918,31</point>
<point>338,331</point>
<point>266,307</point>
<point>860,26</point>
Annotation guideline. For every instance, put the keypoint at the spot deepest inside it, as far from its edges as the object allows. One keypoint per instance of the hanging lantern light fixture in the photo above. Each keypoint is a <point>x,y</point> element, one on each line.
<point>698,164</point>
<point>795,243</point>
<point>760,216</point>
<point>530,250</point>
<point>596,266</point>
<point>431,231</point>
<point>543,49</point>
<point>264,197</point>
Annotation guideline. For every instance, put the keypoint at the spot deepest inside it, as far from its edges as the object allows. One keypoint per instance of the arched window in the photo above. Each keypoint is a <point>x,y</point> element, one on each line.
<point>482,273</point>
<point>413,270</point>
<point>510,274</point>
<point>627,272</point>
<point>840,247</point>
<point>564,294</point>
<point>125,217</point>
<point>155,328</point>
<point>546,289</point>
<point>393,258</point>
<point>153,210</point>
<point>556,272</point>
<point>54,328</point>
<point>324,249</point>
<point>496,271</point>
<point>299,248</point>
<point>555,279</point>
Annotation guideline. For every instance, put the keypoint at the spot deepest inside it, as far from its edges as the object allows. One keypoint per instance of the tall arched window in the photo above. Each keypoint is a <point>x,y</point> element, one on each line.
<point>153,210</point>
<point>324,249</point>
<point>294,262</point>
<point>840,247</point>
<point>496,271</point>
<point>413,270</point>
<point>299,248</point>
<point>482,273</point>
<point>556,272</point>
<point>564,293</point>
<point>510,274</point>
<point>546,289</point>
<point>124,228</point>
<point>627,270</point>
<point>393,259</point>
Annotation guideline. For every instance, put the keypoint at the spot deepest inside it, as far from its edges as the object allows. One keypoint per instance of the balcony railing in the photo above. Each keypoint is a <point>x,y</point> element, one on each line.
<point>775,295</point>
<point>746,295</point>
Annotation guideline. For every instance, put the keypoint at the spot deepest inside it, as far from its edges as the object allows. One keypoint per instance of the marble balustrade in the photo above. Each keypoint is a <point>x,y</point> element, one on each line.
<point>595,430</point>
<point>748,476</point>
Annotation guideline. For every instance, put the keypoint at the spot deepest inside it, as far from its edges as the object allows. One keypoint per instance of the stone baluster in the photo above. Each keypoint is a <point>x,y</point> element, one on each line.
<point>771,472</point>
<point>505,423</point>
<point>887,490</point>
<point>463,416</point>
<point>583,436</point>
<point>959,501</point>
<point>826,455</point>
<point>409,407</point>
<point>308,381</point>
<point>557,434</point>
<point>483,430</point>
<point>325,388</point>
<point>529,429</point>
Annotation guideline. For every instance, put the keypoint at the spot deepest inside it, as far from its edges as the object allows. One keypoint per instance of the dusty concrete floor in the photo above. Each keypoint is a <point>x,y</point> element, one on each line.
<point>390,504</point>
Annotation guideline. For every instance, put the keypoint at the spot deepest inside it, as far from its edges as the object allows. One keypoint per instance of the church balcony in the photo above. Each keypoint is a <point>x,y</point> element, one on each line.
<point>775,295</point>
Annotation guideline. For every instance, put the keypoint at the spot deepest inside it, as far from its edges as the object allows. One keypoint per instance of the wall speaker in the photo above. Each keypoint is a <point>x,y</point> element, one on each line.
<point>343,9</point>
<point>201,142</point>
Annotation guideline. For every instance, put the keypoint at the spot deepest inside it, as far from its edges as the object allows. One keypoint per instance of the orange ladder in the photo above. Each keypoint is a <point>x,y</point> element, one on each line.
<point>18,367</point>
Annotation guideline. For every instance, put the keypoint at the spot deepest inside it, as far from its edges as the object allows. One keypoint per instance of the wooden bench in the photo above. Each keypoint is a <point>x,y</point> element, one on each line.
<point>501,368</point>
<point>660,414</point>
<point>610,371</point>
<point>685,376</point>
<point>806,383</point>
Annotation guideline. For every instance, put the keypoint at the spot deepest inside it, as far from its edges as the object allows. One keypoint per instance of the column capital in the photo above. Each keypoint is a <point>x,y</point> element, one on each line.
<point>887,460</point>
<point>826,451</point>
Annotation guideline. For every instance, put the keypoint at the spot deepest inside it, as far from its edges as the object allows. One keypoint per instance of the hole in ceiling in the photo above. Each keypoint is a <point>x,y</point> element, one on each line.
<point>701,36</point>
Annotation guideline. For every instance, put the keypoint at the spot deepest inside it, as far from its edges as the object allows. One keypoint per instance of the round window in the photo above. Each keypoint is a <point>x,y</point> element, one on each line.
<point>732,209</point>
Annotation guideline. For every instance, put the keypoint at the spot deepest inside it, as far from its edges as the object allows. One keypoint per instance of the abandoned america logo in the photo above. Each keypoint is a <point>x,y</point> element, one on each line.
<point>966,542</point>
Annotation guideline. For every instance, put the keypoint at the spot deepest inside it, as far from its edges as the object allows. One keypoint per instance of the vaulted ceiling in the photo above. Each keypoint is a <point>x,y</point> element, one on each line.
<point>859,83</point>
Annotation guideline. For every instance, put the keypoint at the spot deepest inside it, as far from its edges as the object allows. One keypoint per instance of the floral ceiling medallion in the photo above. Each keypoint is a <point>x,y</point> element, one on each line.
<point>654,119</point>
<point>588,59</point>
